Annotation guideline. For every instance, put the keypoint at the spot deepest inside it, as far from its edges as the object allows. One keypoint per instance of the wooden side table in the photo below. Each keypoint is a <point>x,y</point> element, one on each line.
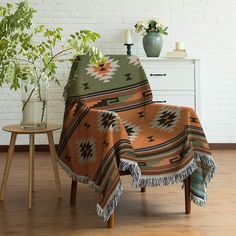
<point>15,130</point>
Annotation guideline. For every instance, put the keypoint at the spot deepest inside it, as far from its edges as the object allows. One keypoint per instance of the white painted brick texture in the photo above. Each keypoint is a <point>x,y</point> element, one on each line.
<point>207,27</point>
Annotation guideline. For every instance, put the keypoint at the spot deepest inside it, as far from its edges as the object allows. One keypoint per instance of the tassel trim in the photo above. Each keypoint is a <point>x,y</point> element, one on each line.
<point>207,160</point>
<point>113,202</point>
<point>154,181</point>
<point>78,178</point>
<point>198,201</point>
<point>132,167</point>
<point>146,181</point>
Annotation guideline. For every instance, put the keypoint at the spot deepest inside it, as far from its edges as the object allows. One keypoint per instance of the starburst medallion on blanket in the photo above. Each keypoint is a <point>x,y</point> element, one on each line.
<point>108,121</point>
<point>86,150</point>
<point>104,71</point>
<point>134,60</point>
<point>166,119</point>
<point>132,130</point>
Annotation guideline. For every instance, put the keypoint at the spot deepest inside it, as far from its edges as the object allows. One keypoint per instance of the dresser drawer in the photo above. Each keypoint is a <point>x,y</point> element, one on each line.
<point>167,63</point>
<point>178,98</point>
<point>162,78</point>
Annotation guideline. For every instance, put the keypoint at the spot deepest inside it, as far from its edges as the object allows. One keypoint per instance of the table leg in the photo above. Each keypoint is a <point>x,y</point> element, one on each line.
<point>31,167</point>
<point>8,164</point>
<point>54,163</point>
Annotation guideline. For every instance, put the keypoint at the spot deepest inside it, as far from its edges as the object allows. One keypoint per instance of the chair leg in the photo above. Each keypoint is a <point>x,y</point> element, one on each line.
<point>73,192</point>
<point>187,195</point>
<point>143,190</point>
<point>111,221</point>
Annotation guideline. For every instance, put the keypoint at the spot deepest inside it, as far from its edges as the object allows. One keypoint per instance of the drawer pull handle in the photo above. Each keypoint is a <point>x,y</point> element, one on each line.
<point>164,101</point>
<point>157,74</point>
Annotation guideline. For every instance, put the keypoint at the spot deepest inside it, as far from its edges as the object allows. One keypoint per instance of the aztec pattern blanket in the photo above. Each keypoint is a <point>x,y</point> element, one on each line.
<point>111,124</point>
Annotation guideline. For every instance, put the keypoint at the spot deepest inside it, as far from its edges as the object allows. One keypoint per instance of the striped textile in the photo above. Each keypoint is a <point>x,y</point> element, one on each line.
<point>111,124</point>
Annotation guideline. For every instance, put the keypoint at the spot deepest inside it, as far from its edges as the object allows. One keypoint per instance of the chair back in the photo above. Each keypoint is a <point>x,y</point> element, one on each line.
<point>120,81</point>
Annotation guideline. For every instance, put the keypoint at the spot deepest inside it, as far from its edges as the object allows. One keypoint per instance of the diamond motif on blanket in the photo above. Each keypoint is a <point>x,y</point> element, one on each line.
<point>104,71</point>
<point>132,130</point>
<point>135,61</point>
<point>86,150</point>
<point>166,119</point>
<point>108,121</point>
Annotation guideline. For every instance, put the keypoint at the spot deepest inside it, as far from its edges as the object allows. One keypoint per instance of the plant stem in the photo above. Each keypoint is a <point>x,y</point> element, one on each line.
<point>38,78</point>
<point>18,59</point>
<point>38,84</point>
<point>43,110</point>
<point>31,93</point>
<point>65,50</point>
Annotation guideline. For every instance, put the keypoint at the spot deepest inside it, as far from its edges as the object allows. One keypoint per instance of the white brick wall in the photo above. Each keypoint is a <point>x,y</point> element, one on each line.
<point>207,27</point>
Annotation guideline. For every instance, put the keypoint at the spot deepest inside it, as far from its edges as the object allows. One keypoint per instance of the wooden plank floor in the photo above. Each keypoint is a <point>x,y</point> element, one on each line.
<point>159,211</point>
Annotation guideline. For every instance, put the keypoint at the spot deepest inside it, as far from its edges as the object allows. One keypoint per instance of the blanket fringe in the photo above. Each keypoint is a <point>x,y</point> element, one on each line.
<point>153,181</point>
<point>132,167</point>
<point>146,181</point>
<point>78,178</point>
<point>207,160</point>
<point>198,201</point>
<point>113,202</point>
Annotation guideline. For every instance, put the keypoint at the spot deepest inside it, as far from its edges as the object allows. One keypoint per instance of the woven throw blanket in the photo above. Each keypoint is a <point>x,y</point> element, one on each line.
<point>111,124</point>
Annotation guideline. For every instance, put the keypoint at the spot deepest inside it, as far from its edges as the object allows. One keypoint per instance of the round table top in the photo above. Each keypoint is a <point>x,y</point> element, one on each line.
<point>15,128</point>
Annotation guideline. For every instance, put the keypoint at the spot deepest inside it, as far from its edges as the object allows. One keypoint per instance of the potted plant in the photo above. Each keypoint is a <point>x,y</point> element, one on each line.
<point>30,54</point>
<point>152,30</point>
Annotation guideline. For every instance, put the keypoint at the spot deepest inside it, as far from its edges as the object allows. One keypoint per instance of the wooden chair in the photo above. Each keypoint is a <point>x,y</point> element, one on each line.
<point>111,220</point>
<point>137,86</point>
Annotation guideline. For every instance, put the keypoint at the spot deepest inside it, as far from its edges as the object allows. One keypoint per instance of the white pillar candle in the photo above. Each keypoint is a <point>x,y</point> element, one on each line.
<point>179,45</point>
<point>128,36</point>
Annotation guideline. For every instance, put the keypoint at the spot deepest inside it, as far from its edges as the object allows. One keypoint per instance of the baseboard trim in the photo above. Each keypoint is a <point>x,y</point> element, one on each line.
<point>25,148</point>
<point>222,146</point>
<point>45,148</point>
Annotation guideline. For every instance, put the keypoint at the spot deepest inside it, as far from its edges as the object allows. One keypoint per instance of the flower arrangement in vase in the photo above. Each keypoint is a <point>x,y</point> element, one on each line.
<point>152,30</point>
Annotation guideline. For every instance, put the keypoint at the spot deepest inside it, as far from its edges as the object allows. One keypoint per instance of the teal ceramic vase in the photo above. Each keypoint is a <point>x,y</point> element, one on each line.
<point>152,44</point>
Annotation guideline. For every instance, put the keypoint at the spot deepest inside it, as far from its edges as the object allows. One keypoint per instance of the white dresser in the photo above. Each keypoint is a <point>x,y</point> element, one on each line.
<point>174,81</point>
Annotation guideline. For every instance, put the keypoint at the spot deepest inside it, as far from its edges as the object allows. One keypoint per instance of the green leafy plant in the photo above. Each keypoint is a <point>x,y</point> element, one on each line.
<point>30,52</point>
